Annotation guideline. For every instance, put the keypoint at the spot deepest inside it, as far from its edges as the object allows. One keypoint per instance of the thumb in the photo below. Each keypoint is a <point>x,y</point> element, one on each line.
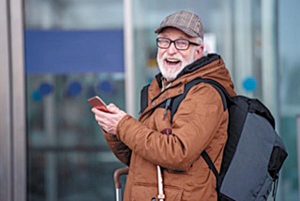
<point>112,107</point>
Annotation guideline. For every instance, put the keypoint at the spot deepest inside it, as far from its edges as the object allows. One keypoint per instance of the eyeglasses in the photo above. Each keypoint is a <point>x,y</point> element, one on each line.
<point>180,44</point>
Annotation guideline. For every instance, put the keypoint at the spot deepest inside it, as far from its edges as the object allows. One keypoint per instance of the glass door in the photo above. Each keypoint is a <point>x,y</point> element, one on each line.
<point>289,87</point>
<point>73,51</point>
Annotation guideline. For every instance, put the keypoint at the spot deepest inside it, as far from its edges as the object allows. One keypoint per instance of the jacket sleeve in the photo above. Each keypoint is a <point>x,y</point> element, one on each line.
<point>194,126</point>
<point>121,151</point>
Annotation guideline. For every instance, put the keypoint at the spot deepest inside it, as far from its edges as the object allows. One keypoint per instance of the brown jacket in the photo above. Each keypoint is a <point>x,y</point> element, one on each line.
<point>200,123</point>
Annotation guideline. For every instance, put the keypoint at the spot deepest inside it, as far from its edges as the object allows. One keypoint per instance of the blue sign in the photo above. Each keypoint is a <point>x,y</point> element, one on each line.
<point>250,84</point>
<point>64,52</point>
<point>74,89</point>
<point>45,89</point>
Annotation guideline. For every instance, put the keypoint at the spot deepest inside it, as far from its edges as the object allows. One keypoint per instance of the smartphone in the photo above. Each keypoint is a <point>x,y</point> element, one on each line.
<point>98,103</point>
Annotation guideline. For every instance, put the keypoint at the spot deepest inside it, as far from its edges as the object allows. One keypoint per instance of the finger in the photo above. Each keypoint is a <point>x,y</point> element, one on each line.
<point>99,120</point>
<point>103,120</point>
<point>102,127</point>
<point>112,107</point>
<point>97,111</point>
<point>94,110</point>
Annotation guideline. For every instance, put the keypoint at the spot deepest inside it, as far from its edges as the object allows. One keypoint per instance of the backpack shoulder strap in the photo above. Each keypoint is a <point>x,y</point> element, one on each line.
<point>176,101</point>
<point>144,98</point>
<point>226,98</point>
<point>212,167</point>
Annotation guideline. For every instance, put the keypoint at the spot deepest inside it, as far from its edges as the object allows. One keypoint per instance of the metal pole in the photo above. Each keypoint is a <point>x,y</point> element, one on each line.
<point>12,102</point>
<point>118,194</point>
<point>5,111</point>
<point>269,54</point>
<point>243,43</point>
<point>18,99</point>
<point>129,62</point>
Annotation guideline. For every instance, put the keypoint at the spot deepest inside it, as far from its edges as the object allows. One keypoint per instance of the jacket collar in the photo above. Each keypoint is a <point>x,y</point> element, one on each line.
<point>191,67</point>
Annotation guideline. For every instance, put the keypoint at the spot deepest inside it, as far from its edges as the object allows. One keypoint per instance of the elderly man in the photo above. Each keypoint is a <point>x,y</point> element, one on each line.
<point>163,151</point>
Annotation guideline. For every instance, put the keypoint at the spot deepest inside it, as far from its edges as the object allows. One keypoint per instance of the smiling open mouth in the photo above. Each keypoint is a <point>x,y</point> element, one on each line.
<point>172,61</point>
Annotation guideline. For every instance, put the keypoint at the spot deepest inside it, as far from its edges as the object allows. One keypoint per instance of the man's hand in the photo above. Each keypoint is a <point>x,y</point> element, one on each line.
<point>109,121</point>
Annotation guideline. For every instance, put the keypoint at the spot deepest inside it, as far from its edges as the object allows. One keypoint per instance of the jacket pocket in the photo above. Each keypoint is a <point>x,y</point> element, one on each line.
<point>142,192</point>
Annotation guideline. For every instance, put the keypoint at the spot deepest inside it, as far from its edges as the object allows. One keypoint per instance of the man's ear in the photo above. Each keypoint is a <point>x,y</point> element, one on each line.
<point>199,52</point>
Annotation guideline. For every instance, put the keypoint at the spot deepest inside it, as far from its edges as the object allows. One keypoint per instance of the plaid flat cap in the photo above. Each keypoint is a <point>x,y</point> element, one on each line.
<point>185,21</point>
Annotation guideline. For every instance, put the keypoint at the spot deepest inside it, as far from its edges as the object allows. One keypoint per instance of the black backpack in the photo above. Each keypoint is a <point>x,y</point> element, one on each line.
<point>253,154</point>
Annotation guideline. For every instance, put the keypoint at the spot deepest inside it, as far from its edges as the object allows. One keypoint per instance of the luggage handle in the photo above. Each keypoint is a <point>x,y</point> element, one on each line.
<point>117,176</point>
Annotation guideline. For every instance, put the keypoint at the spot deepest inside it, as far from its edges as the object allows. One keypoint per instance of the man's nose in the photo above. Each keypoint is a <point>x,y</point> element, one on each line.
<point>172,49</point>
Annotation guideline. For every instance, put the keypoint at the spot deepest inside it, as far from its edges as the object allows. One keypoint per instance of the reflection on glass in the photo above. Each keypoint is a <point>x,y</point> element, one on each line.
<point>69,58</point>
<point>75,175</point>
<point>59,104</point>
<point>68,157</point>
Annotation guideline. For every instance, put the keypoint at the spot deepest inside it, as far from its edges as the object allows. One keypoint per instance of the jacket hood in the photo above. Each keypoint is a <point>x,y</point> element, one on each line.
<point>211,66</point>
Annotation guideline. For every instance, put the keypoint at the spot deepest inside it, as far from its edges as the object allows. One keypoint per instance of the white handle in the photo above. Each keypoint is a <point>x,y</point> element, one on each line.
<point>161,195</point>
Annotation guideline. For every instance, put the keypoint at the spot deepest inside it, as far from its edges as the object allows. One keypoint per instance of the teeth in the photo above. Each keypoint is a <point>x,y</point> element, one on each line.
<point>173,60</point>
